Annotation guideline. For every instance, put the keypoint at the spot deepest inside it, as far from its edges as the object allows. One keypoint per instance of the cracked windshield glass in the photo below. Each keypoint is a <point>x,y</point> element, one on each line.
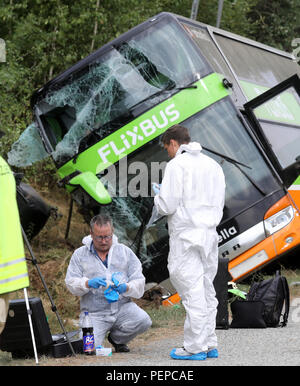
<point>103,95</point>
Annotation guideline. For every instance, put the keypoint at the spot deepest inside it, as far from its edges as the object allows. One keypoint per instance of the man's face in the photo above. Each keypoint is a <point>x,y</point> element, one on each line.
<point>102,237</point>
<point>172,148</point>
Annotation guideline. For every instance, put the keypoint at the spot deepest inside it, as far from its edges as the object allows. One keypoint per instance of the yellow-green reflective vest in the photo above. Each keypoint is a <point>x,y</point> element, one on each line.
<point>13,268</point>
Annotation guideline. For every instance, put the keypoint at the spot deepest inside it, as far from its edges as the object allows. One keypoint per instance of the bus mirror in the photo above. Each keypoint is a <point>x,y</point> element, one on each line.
<point>226,83</point>
<point>93,186</point>
<point>298,159</point>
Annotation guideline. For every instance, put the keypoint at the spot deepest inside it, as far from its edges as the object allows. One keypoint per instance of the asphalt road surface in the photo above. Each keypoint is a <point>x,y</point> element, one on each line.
<point>237,347</point>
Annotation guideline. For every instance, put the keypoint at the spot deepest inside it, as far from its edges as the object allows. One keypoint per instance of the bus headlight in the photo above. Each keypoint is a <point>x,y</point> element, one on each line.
<point>279,220</point>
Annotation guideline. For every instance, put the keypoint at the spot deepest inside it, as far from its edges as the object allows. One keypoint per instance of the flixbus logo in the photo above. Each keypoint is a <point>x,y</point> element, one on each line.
<point>139,133</point>
<point>148,126</point>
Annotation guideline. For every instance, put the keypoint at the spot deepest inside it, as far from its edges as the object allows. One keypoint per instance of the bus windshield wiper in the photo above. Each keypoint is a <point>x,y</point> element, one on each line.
<point>238,165</point>
<point>128,116</point>
<point>171,87</point>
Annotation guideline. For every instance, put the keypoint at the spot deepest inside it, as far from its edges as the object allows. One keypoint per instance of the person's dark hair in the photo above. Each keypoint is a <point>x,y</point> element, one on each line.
<point>100,220</point>
<point>178,133</point>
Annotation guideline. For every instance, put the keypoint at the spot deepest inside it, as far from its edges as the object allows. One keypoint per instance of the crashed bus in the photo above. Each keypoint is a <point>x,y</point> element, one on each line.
<point>101,122</point>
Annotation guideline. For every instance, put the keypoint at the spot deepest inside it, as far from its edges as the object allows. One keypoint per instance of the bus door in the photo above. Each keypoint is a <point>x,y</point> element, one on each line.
<point>275,117</point>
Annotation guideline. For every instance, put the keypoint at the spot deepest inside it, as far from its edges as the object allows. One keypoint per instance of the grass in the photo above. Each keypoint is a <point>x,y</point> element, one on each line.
<point>167,316</point>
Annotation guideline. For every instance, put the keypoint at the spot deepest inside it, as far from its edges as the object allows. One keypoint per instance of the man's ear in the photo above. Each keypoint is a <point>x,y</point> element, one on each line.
<point>174,143</point>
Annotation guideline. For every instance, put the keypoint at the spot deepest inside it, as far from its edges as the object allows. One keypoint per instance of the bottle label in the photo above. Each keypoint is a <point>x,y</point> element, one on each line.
<point>88,343</point>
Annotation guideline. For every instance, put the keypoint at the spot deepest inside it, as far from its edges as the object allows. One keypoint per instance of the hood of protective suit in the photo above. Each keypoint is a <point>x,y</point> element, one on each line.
<point>192,148</point>
<point>87,240</point>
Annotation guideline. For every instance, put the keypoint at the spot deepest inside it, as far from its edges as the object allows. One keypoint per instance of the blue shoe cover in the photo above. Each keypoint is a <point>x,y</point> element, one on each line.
<point>213,353</point>
<point>201,356</point>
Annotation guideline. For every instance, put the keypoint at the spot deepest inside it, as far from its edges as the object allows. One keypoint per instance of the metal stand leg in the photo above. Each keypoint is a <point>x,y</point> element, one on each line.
<point>30,325</point>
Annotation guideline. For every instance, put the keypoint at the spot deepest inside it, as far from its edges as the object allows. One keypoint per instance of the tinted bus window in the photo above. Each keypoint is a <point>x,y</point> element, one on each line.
<point>280,121</point>
<point>208,48</point>
<point>218,128</point>
<point>256,65</point>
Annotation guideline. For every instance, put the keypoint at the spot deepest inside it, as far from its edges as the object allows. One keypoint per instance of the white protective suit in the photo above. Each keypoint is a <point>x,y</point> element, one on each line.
<point>192,195</point>
<point>124,319</point>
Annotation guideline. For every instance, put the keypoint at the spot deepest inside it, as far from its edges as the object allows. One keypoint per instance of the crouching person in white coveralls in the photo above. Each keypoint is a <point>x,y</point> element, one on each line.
<point>90,275</point>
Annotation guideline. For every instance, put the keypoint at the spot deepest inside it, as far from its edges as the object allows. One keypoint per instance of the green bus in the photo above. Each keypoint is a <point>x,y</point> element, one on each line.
<point>101,122</point>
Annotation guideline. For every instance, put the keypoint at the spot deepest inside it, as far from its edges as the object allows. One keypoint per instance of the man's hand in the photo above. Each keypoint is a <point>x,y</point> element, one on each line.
<point>96,282</point>
<point>156,187</point>
<point>122,288</point>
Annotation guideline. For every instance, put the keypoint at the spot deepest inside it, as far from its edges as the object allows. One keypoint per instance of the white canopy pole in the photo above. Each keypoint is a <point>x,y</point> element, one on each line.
<point>31,327</point>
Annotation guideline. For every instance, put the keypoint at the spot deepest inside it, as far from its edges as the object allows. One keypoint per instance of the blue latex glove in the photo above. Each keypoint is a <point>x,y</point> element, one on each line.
<point>116,277</point>
<point>121,288</point>
<point>96,282</point>
<point>111,295</point>
<point>156,187</point>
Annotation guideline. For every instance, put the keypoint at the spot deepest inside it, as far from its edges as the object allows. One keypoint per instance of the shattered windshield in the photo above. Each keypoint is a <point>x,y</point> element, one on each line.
<point>100,99</point>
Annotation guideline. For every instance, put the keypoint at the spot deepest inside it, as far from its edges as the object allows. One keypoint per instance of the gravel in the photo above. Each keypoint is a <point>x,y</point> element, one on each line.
<point>237,347</point>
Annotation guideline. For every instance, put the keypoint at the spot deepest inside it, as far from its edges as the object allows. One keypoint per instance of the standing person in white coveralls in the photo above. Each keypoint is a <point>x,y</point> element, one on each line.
<point>192,195</point>
<point>91,270</point>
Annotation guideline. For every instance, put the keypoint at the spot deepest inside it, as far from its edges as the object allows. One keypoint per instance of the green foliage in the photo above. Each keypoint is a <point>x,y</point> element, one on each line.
<point>44,38</point>
<point>235,17</point>
<point>275,23</point>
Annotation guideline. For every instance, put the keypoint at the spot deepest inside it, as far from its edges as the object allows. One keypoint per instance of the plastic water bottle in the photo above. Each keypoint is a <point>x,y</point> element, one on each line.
<point>88,335</point>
